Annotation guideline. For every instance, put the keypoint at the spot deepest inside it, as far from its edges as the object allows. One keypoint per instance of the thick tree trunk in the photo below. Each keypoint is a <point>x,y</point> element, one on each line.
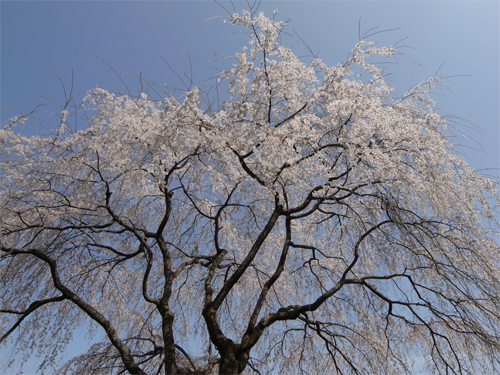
<point>168,339</point>
<point>229,365</point>
<point>232,362</point>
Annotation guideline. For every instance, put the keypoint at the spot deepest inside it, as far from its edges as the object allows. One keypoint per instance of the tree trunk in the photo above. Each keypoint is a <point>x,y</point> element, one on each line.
<point>232,362</point>
<point>168,339</point>
<point>229,366</point>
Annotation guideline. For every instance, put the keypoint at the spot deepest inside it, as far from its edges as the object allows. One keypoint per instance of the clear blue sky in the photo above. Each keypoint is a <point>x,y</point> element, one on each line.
<point>38,36</point>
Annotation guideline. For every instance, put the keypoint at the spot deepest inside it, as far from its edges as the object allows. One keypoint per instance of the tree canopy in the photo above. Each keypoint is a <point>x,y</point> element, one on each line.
<point>311,222</point>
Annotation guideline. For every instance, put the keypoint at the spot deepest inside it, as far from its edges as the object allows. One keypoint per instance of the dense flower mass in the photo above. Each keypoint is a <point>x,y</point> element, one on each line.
<point>310,223</point>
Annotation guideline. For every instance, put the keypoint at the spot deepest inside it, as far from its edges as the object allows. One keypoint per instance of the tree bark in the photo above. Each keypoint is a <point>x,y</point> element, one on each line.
<point>168,339</point>
<point>232,361</point>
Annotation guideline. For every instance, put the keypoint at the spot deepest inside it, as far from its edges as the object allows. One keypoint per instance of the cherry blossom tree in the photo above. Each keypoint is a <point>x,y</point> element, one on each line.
<point>310,223</point>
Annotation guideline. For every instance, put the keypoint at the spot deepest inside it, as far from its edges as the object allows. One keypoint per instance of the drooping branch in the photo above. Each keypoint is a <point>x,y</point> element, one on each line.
<point>25,313</point>
<point>125,353</point>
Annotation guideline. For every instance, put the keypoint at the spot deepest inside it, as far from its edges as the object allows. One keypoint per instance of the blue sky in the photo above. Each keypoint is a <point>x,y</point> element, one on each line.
<point>39,36</point>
